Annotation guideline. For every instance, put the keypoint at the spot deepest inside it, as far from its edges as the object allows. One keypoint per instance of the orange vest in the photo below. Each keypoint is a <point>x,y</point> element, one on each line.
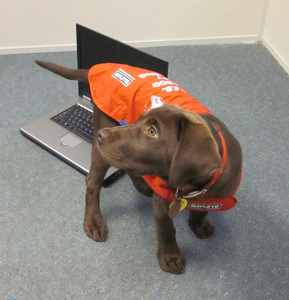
<point>124,93</point>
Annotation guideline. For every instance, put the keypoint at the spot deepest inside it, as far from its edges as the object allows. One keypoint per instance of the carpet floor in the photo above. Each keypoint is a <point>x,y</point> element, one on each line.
<point>44,252</point>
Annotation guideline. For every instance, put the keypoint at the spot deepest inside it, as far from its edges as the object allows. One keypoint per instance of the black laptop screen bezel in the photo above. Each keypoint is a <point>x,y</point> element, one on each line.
<point>95,48</point>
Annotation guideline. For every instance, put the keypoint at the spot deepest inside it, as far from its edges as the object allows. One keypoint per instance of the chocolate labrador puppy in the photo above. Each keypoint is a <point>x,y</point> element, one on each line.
<point>172,147</point>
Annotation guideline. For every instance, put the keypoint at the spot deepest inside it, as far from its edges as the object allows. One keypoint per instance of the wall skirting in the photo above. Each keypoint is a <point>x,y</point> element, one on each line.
<point>37,49</point>
<point>138,44</point>
<point>276,54</point>
<point>159,43</point>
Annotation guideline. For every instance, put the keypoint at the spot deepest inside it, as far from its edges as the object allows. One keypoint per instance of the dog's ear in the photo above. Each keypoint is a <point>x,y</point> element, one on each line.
<point>197,157</point>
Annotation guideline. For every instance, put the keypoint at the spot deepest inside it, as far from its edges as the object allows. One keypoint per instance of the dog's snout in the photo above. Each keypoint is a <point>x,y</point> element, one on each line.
<point>103,134</point>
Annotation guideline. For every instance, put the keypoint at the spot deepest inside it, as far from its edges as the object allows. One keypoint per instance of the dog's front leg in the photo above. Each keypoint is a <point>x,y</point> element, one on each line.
<point>94,225</point>
<point>169,255</point>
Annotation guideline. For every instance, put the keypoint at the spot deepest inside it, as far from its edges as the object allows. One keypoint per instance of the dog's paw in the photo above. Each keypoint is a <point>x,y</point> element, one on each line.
<point>95,228</point>
<point>205,230</point>
<point>172,262</point>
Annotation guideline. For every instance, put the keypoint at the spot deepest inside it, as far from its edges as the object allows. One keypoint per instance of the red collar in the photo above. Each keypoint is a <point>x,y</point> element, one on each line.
<point>181,202</point>
<point>215,177</point>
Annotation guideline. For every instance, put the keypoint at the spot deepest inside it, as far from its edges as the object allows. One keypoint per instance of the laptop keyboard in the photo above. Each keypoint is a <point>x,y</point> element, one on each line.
<point>78,120</point>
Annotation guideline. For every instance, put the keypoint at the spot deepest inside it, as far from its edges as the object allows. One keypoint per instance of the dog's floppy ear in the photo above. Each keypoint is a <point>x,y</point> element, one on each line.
<point>197,157</point>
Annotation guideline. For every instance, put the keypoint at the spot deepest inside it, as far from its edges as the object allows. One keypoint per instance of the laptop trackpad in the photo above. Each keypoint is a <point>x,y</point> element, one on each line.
<point>68,141</point>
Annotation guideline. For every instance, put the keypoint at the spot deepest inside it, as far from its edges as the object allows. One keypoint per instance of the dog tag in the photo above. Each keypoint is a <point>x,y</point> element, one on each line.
<point>176,206</point>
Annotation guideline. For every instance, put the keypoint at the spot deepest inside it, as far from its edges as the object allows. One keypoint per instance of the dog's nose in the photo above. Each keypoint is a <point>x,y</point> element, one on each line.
<point>103,134</point>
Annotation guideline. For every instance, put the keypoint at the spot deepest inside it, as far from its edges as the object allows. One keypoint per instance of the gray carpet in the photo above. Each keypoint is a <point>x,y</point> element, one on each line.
<point>44,253</point>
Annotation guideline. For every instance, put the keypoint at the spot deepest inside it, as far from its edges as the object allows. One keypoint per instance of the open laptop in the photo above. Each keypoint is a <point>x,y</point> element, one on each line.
<point>56,132</point>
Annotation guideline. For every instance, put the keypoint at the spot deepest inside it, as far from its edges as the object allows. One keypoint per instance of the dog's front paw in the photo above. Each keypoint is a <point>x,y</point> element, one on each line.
<point>172,262</point>
<point>203,231</point>
<point>94,227</point>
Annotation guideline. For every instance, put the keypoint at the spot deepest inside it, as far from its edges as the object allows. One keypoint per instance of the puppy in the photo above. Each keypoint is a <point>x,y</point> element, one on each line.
<point>172,147</point>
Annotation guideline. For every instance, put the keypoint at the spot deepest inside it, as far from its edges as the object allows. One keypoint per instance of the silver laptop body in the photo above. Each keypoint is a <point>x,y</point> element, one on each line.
<point>92,48</point>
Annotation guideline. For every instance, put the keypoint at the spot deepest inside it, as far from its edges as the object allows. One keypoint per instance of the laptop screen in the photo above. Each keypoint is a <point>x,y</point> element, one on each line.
<point>95,48</point>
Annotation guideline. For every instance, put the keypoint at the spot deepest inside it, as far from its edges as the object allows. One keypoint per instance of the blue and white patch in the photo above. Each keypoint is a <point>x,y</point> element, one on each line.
<point>123,77</point>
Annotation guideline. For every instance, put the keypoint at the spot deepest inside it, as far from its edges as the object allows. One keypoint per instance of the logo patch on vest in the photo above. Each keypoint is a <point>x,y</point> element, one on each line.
<point>123,77</point>
<point>157,101</point>
<point>204,206</point>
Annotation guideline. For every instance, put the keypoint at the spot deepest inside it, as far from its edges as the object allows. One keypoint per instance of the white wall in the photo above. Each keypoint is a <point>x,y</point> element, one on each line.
<point>42,25</point>
<point>276,31</point>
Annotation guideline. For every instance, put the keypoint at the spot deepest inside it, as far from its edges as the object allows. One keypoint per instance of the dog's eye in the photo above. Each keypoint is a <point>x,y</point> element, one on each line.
<point>152,131</point>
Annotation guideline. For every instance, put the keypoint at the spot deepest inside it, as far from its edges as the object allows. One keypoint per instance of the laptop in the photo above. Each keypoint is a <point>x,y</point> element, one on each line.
<point>67,131</point>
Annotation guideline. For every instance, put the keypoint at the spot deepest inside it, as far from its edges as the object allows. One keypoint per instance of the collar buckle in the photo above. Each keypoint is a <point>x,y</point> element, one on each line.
<point>191,195</point>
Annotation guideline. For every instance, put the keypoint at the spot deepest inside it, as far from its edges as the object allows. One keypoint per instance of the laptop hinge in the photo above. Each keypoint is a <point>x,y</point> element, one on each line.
<point>86,98</point>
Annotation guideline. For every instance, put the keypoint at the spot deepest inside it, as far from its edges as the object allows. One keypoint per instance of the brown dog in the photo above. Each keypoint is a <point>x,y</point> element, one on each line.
<point>190,157</point>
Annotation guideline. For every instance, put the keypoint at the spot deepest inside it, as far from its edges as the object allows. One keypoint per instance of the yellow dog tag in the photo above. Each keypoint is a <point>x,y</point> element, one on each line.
<point>176,206</point>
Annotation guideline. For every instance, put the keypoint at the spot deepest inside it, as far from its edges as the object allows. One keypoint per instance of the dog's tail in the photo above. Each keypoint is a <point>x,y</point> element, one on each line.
<point>72,74</point>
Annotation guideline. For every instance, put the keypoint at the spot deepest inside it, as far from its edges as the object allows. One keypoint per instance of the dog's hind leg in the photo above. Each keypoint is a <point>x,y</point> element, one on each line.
<point>200,225</point>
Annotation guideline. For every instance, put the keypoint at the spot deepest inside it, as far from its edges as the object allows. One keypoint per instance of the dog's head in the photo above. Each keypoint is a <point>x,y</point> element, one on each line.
<point>169,142</point>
